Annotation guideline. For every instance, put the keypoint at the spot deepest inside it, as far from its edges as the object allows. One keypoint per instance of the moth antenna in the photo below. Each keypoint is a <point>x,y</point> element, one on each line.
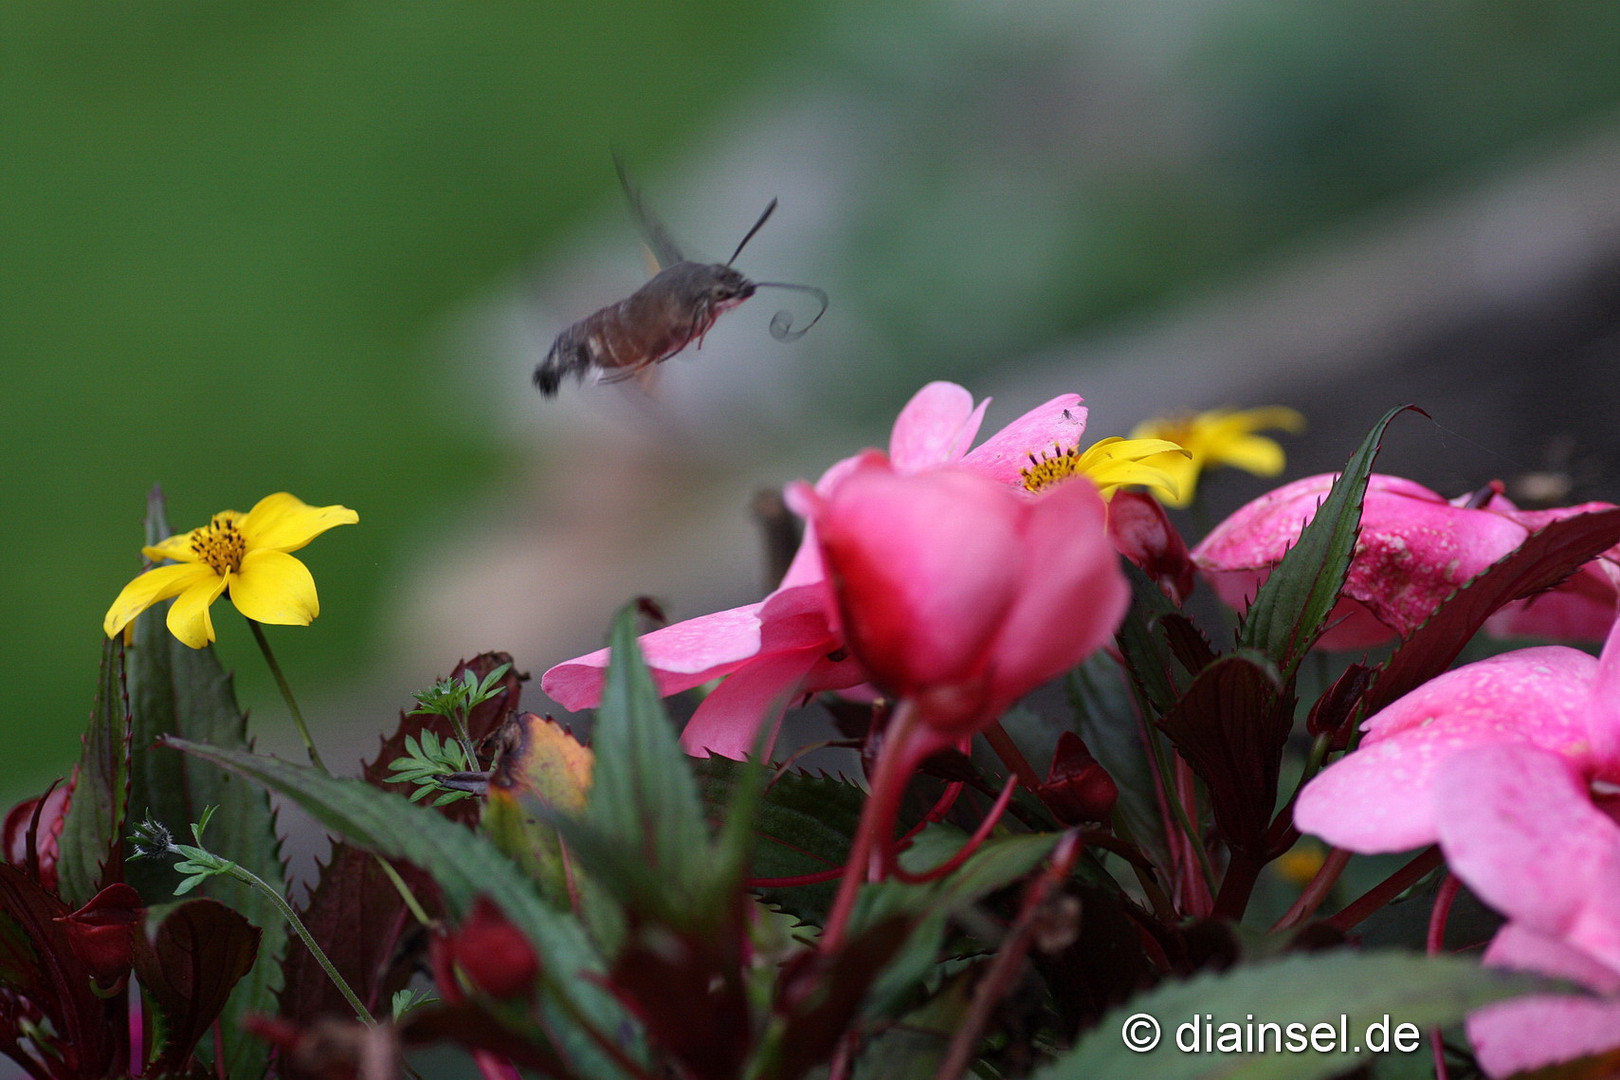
<point>782,321</point>
<point>763,218</point>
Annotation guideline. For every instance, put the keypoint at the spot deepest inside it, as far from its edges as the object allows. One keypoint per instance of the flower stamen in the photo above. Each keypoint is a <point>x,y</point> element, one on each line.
<point>220,545</point>
<point>1111,463</point>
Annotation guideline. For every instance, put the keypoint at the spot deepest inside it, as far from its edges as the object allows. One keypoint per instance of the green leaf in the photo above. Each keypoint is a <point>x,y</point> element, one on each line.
<point>465,866</point>
<point>1318,988</point>
<point>174,689</point>
<point>1107,722</point>
<point>643,794</point>
<point>90,850</point>
<point>996,864</point>
<point>1289,611</point>
<point>805,825</point>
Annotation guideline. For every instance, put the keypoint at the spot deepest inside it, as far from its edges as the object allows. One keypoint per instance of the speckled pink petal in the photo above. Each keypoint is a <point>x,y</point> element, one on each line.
<point>1541,693</point>
<point>1380,797</point>
<point>1414,548</point>
<point>759,692</point>
<point>1517,824</point>
<point>1004,455</point>
<point>935,428</point>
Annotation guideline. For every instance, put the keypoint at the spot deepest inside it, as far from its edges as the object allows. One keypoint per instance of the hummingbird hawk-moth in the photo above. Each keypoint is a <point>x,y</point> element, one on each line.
<point>664,316</point>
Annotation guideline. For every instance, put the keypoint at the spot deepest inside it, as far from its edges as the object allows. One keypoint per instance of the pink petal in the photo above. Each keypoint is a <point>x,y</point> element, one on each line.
<point>758,692</point>
<point>1581,608</point>
<point>1003,456</point>
<point>681,656</point>
<point>1540,694</point>
<point>925,565</point>
<point>1073,593</point>
<point>935,428</point>
<point>1529,1032</point>
<point>1518,825</point>
<point>1518,948</point>
<point>1605,714</point>
<point>1414,548</point>
<point>1379,798</point>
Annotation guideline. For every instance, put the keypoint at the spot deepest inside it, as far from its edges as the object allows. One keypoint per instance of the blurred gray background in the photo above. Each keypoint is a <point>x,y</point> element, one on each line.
<point>319,247</point>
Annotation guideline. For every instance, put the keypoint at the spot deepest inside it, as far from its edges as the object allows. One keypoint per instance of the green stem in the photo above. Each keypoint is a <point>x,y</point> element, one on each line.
<point>287,696</point>
<point>248,877</point>
<point>459,722</point>
<point>404,890</point>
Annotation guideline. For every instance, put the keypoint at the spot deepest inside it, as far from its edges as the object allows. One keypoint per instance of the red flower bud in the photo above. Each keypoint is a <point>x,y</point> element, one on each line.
<point>1141,531</point>
<point>493,954</point>
<point>102,933</point>
<point>1077,789</point>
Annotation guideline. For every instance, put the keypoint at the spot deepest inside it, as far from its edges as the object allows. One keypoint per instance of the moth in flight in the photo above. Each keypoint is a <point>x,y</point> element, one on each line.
<point>664,316</point>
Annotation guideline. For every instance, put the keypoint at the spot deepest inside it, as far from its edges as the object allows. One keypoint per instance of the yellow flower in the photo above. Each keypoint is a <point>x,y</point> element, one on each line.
<point>246,554</point>
<point>1111,463</point>
<point>1219,437</point>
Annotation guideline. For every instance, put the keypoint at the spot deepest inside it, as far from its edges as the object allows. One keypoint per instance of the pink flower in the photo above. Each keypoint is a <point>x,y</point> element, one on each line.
<point>959,594</point>
<point>1414,550</point>
<point>785,646</point>
<point>1523,829</point>
<point>1496,762</point>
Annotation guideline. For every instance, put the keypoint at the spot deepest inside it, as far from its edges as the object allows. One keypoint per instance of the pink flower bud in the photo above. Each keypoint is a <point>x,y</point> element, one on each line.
<point>961,595</point>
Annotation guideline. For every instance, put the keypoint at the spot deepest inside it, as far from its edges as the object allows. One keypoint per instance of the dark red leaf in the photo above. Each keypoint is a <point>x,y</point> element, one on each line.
<point>38,962</point>
<point>29,836</point>
<point>818,995</point>
<point>102,932</point>
<point>1230,726</point>
<point>200,951</point>
<point>1336,708</point>
<point>1547,556</point>
<point>354,892</point>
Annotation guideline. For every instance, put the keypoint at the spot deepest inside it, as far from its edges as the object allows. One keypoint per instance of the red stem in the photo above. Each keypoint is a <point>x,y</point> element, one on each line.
<point>1003,971</point>
<point>904,746</point>
<point>1011,756</point>
<point>1311,898</point>
<point>978,838</point>
<point>1388,889</point>
<point>1438,916</point>
<point>1441,912</point>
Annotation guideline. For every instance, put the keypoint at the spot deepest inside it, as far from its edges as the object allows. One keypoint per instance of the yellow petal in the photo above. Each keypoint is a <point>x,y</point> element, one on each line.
<point>178,546</point>
<point>1273,417</point>
<point>1253,453</point>
<point>188,617</point>
<point>283,522</point>
<point>150,588</point>
<point>274,587</point>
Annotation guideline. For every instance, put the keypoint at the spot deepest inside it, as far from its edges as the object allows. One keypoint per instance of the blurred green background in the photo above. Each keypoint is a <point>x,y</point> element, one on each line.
<point>233,234</point>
